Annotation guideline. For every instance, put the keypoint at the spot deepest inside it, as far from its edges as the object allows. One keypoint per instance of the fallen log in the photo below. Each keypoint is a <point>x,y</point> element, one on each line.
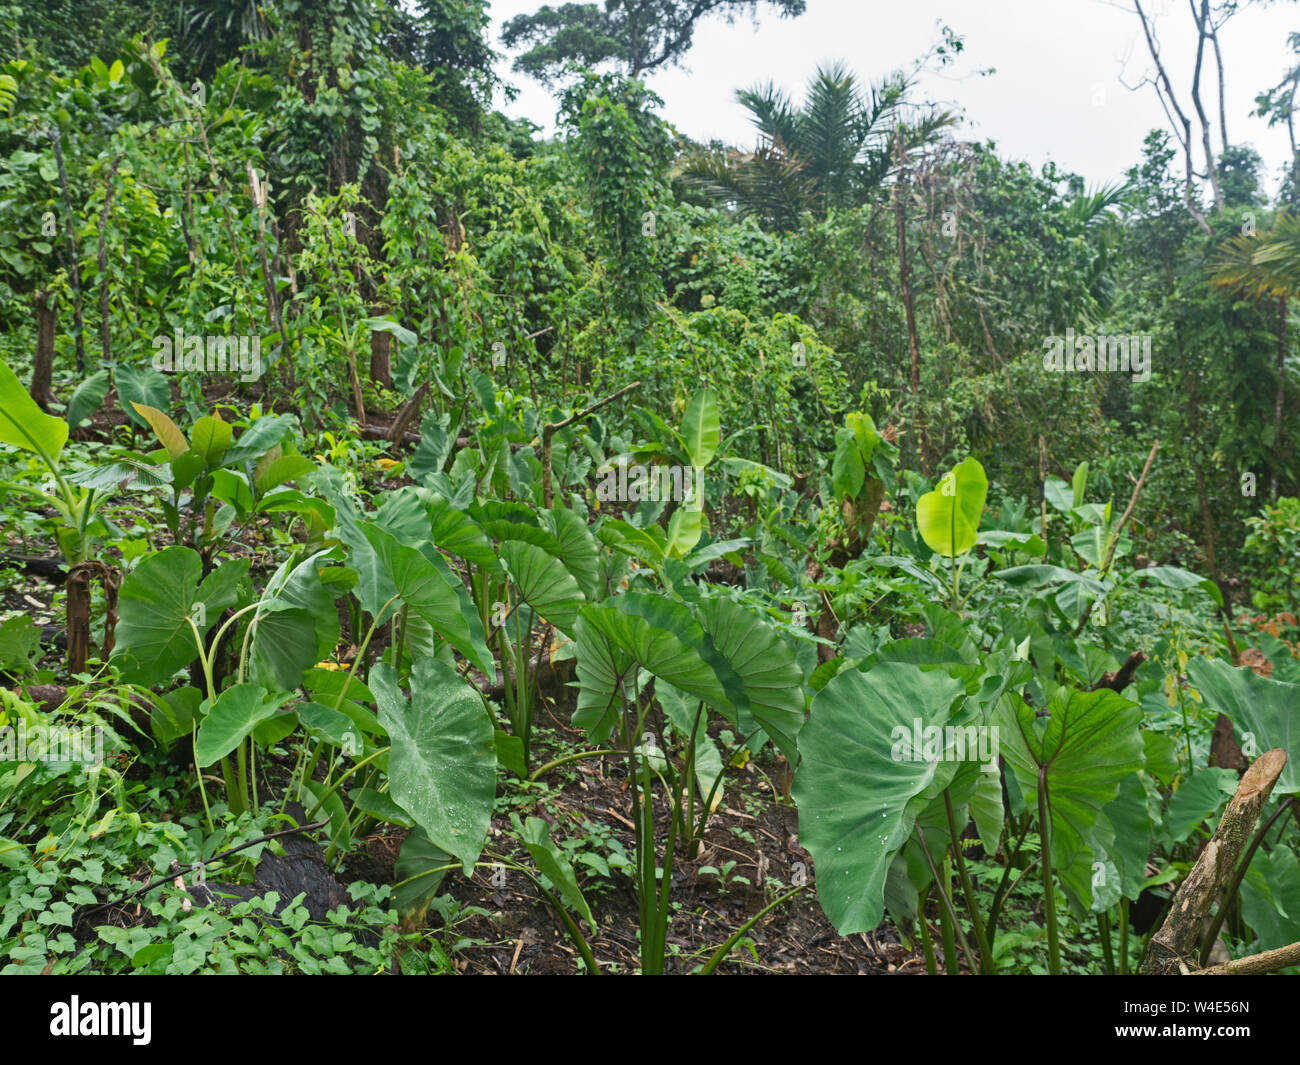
<point>1173,949</point>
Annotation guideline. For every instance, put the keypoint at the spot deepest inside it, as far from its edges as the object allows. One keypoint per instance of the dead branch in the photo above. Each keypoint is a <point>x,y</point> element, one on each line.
<point>1173,948</point>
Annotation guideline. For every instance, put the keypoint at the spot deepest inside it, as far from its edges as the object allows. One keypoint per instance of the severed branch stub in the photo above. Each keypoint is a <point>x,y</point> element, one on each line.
<point>1173,947</point>
<point>551,428</point>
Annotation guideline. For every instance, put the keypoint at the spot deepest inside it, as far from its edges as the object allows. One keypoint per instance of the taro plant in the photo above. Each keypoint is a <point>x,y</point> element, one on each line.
<point>714,653</point>
<point>682,454</point>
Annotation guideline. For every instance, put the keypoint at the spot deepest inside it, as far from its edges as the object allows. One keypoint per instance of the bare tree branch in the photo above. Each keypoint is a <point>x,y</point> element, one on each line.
<point>1183,126</point>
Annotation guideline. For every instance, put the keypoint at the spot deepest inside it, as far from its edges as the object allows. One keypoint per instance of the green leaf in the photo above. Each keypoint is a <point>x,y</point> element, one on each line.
<point>1262,710</point>
<point>685,528</point>
<point>211,438</point>
<point>87,398</point>
<point>377,804</point>
<point>701,427</point>
<point>769,674</point>
<point>543,583</point>
<point>442,766</point>
<point>145,386</point>
<point>432,592</point>
<point>20,642</point>
<point>231,718</point>
<point>24,425</point>
<point>1270,898</point>
<point>296,627</point>
<point>276,468</point>
<point>1084,750</point>
<point>577,548</point>
<point>326,723</point>
<point>1079,484</point>
<point>510,753</point>
<point>1180,579</point>
<point>1000,539</point>
<point>1059,494</point>
<point>259,438</point>
<point>613,640</point>
<point>848,472</point>
<point>949,517</point>
<point>156,603</point>
<point>552,863</point>
<point>120,475</point>
<point>857,803</point>
<point>419,873</point>
<point>1199,796</point>
<point>457,533</point>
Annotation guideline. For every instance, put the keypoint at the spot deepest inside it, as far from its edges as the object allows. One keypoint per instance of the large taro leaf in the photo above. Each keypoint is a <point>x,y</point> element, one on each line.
<point>1129,817</point>
<point>23,424</point>
<point>374,587</point>
<point>1270,898</point>
<point>949,517</point>
<point>457,533</point>
<point>156,603</point>
<point>769,674</point>
<point>87,398</point>
<point>442,766</point>
<point>426,589</point>
<point>857,804</point>
<point>544,583</point>
<point>1197,799</point>
<point>633,630</point>
<point>577,547</point>
<point>1083,751</point>
<point>142,385</point>
<point>295,628</point>
<point>234,714</point>
<point>1262,710</point>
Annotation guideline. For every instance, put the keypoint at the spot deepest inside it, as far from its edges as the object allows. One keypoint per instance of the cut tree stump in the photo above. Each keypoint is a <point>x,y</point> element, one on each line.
<point>1173,949</point>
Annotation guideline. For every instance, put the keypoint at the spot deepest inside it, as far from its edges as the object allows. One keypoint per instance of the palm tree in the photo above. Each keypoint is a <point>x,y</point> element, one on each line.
<point>828,154</point>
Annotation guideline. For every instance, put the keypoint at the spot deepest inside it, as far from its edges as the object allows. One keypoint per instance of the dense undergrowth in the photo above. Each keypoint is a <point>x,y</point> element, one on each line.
<point>581,556</point>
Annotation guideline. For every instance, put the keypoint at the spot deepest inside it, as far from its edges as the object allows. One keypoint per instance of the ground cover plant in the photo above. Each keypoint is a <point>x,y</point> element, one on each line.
<point>430,547</point>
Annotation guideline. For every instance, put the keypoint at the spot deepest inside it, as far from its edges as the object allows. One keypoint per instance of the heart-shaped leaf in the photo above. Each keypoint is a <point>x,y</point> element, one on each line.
<point>949,517</point>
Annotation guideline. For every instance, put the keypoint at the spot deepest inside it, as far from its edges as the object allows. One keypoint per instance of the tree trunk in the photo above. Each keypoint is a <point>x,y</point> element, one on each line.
<point>381,348</point>
<point>1277,401</point>
<point>905,285</point>
<point>47,316</point>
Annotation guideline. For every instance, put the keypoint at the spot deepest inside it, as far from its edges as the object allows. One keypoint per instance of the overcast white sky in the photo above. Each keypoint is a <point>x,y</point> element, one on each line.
<point>1056,92</point>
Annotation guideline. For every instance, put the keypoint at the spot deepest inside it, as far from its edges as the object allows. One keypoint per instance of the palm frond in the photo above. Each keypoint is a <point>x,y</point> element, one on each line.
<point>1264,265</point>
